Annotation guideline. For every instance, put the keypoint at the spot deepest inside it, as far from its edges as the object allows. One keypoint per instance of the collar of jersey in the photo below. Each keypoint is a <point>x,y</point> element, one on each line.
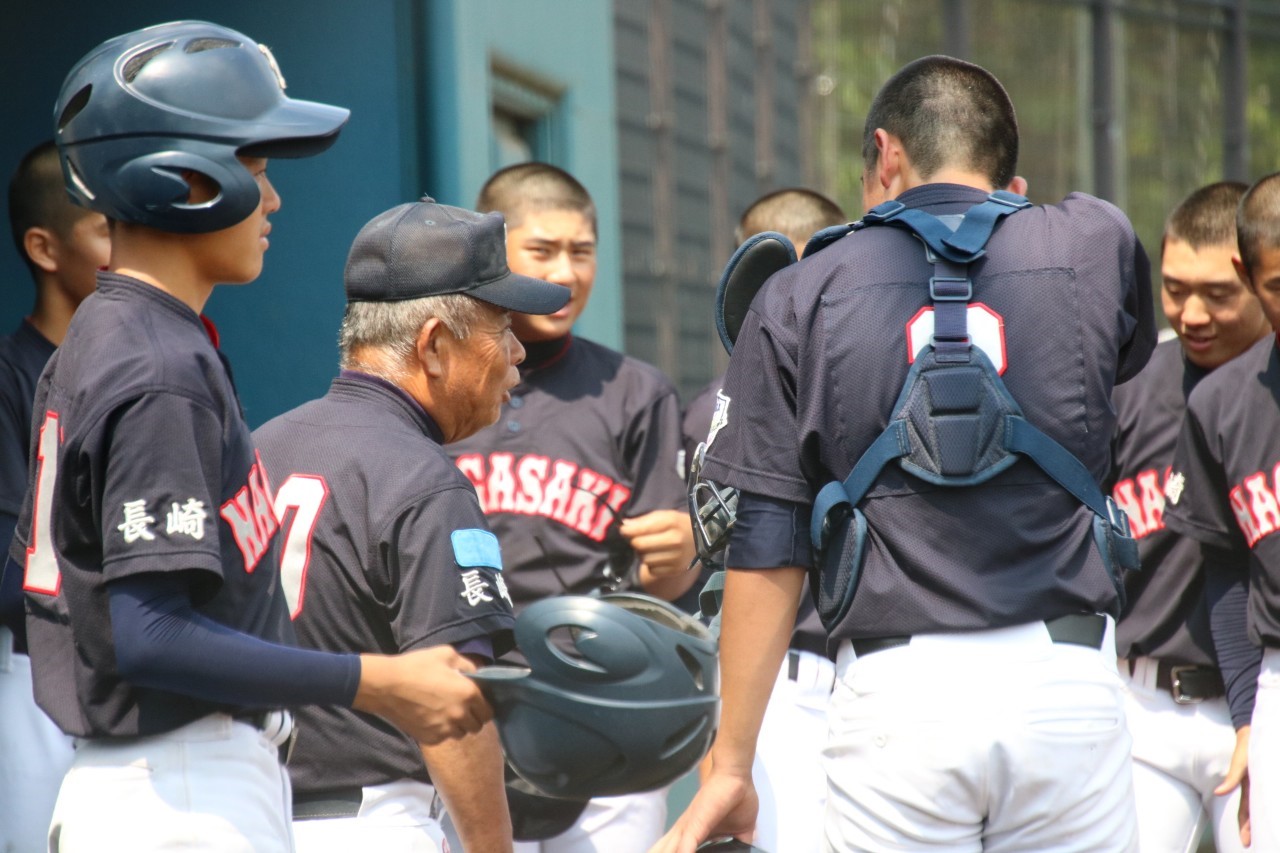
<point>110,283</point>
<point>544,353</point>
<point>944,196</point>
<point>357,380</point>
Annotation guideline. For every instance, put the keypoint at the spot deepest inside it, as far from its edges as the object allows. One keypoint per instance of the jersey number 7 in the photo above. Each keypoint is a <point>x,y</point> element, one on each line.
<point>304,493</point>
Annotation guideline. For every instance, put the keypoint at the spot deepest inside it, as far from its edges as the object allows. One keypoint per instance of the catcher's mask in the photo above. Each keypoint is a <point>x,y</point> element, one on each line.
<point>621,695</point>
<point>142,109</point>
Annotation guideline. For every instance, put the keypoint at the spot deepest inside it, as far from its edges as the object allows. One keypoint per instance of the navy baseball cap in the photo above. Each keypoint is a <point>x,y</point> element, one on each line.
<point>428,249</point>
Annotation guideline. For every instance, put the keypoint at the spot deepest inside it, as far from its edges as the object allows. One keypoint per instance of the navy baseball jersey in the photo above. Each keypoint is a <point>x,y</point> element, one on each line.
<point>385,551</point>
<point>23,356</point>
<point>589,437</point>
<point>698,421</point>
<point>1166,615</point>
<point>1061,306</point>
<point>140,463</point>
<point>1223,490</point>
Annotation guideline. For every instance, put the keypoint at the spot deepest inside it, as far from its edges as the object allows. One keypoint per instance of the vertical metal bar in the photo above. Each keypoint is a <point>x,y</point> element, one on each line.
<point>804,79</point>
<point>662,121</point>
<point>1104,112</point>
<point>766,68</point>
<point>956,34</point>
<point>723,218</point>
<point>1235,61</point>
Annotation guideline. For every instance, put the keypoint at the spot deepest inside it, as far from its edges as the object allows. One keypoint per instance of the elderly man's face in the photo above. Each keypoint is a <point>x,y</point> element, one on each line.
<point>482,375</point>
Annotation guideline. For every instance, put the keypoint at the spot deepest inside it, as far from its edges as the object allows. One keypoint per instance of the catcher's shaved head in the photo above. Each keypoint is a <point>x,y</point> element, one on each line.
<point>795,212</point>
<point>1258,220</point>
<point>526,187</point>
<point>946,112</point>
<point>1207,217</point>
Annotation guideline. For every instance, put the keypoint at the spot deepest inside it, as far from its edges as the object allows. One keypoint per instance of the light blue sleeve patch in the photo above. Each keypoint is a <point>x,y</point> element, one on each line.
<point>474,547</point>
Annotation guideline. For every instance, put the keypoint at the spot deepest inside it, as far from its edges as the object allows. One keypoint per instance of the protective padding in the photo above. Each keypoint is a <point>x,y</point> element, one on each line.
<point>759,257</point>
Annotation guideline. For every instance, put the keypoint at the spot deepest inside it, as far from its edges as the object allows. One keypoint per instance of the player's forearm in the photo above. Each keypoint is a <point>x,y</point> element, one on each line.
<point>468,773</point>
<point>757,619</point>
<point>1227,591</point>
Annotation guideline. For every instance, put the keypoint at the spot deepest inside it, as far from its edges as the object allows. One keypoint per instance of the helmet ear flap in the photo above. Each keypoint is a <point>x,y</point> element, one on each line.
<point>157,192</point>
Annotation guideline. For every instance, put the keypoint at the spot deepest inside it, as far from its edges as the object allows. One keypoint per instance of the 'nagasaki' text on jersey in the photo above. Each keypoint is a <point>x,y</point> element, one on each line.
<point>590,437</point>
<point>141,462</point>
<point>1225,486</point>
<point>1061,306</point>
<point>385,551</point>
<point>1165,615</point>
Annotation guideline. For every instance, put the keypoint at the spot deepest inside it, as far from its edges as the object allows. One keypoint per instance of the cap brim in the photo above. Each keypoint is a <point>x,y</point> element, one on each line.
<point>523,294</point>
<point>297,129</point>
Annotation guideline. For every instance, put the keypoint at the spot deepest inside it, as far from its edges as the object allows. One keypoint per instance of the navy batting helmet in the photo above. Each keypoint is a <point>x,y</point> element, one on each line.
<point>142,108</point>
<point>621,695</point>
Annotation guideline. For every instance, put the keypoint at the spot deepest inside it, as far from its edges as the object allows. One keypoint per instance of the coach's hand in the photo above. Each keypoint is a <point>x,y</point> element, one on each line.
<point>726,804</point>
<point>1238,775</point>
<point>424,693</point>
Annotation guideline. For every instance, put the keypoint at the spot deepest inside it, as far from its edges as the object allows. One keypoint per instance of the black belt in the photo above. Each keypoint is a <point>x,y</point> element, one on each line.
<point>342,802</point>
<point>1078,629</point>
<point>1187,683</point>
<point>260,719</point>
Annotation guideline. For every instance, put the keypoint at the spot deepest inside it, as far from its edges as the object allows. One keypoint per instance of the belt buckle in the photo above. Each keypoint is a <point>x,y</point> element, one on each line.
<point>1175,685</point>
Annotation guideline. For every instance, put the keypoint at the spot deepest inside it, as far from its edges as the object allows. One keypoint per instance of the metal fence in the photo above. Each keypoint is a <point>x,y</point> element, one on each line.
<point>1137,101</point>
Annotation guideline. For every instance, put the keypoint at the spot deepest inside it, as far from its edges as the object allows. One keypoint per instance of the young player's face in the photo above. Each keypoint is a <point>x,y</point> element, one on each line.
<point>234,255</point>
<point>557,246</point>
<point>483,373</point>
<point>82,251</point>
<point>1265,280</point>
<point>1213,312</point>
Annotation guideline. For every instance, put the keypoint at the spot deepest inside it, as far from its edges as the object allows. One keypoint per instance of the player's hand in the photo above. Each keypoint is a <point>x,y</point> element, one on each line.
<point>725,804</point>
<point>662,540</point>
<point>1238,775</point>
<point>424,693</point>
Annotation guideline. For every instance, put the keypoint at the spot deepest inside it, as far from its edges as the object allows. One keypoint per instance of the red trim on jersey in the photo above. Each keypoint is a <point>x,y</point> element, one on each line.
<point>211,330</point>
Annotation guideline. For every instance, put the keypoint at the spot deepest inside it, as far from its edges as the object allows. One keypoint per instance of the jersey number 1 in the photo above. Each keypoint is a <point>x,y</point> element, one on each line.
<point>306,494</point>
<point>42,573</point>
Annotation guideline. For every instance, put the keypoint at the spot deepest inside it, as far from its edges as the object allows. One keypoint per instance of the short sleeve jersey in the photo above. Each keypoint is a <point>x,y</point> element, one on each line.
<point>590,437</point>
<point>386,551</point>
<point>1061,304</point>
<point>1166,615</point>
<point>141,463</point>
<point>23,356</point>
<point>696,424</point>
<point>1224,489</point>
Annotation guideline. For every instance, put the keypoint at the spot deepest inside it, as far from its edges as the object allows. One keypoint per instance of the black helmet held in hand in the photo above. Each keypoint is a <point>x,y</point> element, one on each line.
<point>621,695</point>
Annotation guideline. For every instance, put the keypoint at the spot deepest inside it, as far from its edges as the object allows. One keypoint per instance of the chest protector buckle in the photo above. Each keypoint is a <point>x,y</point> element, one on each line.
<point>954,423</point>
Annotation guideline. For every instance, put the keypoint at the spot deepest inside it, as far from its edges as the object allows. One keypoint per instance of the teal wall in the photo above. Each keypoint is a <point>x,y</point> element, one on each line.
<point>414,74</point>
<point>566,45</point>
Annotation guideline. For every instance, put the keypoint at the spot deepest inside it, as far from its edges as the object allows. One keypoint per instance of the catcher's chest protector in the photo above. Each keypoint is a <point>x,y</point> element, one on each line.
<point>954,423</point>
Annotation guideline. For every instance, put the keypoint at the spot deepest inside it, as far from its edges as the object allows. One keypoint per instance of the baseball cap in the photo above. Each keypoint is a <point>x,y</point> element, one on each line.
<point>429,249</point>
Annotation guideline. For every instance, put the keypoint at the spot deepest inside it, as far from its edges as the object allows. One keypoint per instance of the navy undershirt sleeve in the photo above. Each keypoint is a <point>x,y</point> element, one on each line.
<point>163,643</point>
<point>769,533</point>
<point>1227,591</point>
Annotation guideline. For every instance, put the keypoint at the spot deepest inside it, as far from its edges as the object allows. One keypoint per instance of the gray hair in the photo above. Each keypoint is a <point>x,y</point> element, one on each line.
<point>381,338</point>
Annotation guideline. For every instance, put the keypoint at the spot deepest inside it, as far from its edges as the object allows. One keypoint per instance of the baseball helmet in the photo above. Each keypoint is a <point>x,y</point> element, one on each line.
<point>621,695</point>
<point>142,108</point>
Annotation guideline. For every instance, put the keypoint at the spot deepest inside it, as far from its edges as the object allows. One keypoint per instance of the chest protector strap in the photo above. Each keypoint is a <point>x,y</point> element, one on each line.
<point>954,423</point>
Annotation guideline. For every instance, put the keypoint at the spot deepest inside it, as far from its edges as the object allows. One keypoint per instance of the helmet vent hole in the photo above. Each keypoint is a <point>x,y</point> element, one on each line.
<point>564,640</point>
<point>198,45</point>
<point>695,668</point>
<point>134,66</point>
<point>683,736</point>
<point>77,103</point>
